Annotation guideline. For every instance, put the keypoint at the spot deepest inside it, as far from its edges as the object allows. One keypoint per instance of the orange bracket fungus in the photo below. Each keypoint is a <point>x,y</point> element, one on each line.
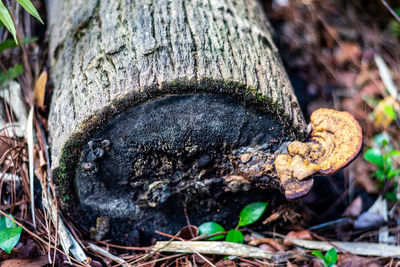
<point>335,140</point>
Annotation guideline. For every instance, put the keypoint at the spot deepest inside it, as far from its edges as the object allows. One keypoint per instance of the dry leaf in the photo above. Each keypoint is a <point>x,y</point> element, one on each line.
<point>349,260</point>
<point>355,208</point>
<point>225,263</point>
<point>303,235</point>
<point>276,245</point>
<point>347,52</point>
<point>188,232</point>
<point>382,112</point>
<point>36,262</point>
<point>290,264</point>
<point>40,89</point>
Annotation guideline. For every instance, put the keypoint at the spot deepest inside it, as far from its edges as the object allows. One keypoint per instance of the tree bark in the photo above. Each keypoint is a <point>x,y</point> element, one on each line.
<point>166,90</point>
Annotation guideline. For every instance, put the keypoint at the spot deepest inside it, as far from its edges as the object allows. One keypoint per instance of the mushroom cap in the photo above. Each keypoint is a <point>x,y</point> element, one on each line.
<point>295,188</point>
<point>340,136</point>
<point>288,168</point>
<point>335,140</point>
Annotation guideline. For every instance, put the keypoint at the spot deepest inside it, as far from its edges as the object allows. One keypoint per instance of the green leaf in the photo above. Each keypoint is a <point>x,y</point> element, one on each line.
<point>388,162</point>
<point>28,6</point>
<point>394,27</point>
<point>397,10</point>
<point>251,213</point>
<point>379,174</point>
<point>381,140</point>
<point>318,254</point>
<point>331,257</point>
<point>9,237</point>
<point>10,43</point>
<point>374,156</point>
<point>12,73</point>
<point>390,111</point>
<point>5,18</point>
<point>234,236</point>
<point>393,173</point>
<point>6,222</point>
<point>394,153</point>
<point>210,228</point>
<point>391,196</point>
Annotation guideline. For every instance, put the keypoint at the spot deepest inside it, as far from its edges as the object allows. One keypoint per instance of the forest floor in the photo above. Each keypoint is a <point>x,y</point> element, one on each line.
<point>339,54</point>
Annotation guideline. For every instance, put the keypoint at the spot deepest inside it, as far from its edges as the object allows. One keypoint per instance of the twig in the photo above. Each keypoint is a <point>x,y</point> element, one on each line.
<point>390,10</point>
<point>124,247</point>
<point>29,140</point>
<point>386,77</point>
<point>108,254</point>
<point>188,221</point>
<point>215,247</point>
<point>157,260</point>
<point>357,248</point>
<point>68,242</point>
<point>331,223</point>
<point>188,245</point>
<point>40,239</point>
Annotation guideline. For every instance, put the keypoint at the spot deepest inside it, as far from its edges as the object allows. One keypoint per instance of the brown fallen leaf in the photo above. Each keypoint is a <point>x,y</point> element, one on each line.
<point>188,232</point>
<point>316,263</point>
<point>225,263</point>
<point>347,52</point>
<point>40,89</point>
<point>267,248</point>
<point>349,260</point>
<point>355,208</point>
<point>290,264</point>
<point>34,262</point>
<point>302,234</point>
<point>273,217</point>
<point>277,246</point>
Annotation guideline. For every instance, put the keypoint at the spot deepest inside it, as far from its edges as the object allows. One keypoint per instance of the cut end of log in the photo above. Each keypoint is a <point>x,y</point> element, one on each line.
<point>167,153</point>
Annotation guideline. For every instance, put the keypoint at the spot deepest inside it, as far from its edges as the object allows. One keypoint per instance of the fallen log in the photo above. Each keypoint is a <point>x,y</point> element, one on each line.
<point>166,111</point>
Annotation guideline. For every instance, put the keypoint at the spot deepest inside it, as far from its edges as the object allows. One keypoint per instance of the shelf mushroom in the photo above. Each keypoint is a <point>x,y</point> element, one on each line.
<point>335,140</point>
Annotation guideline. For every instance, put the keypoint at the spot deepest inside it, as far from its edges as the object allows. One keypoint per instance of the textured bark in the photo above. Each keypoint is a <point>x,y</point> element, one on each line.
<point>108,56</point>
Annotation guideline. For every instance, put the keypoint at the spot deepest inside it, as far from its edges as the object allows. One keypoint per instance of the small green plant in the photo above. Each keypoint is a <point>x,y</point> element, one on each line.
<point>9,233</point>
<point>394,25</point>
<point>248,215</point>
<point>10,43</point>
<point>11,74</point>
<point>329,259</point>
<point>6,20</point>
<point>381,155</point>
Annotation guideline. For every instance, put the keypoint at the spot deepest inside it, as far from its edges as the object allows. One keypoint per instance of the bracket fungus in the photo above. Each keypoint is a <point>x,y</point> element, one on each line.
<point>335,140</point>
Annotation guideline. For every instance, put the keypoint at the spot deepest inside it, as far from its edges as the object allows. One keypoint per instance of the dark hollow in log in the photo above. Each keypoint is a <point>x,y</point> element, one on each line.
<point>176,87</point>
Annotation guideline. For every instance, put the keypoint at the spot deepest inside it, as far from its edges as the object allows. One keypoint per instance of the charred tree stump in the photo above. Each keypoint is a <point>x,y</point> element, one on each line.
<point>154,102</point>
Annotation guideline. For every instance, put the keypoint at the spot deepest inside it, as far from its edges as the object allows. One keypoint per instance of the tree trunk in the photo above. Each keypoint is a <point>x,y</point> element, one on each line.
<point>153,99</point>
